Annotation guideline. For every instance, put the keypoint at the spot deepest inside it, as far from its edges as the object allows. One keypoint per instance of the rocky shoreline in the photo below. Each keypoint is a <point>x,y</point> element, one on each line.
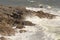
<point>14,16</point>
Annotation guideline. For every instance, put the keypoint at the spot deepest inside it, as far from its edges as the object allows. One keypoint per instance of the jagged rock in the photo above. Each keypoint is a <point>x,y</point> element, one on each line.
<point>41,14</point>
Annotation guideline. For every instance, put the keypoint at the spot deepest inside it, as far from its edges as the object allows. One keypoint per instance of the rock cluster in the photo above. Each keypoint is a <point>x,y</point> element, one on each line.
<point>9,17</point>
<point>12,16</point>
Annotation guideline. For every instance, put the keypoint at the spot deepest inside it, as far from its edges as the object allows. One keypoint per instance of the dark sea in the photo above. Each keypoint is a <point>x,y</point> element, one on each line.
<point>32,3</point>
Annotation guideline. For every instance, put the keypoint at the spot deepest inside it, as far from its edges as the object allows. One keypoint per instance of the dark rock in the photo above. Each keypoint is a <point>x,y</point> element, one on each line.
<point>41,14</point>
<point>16,16</point>
<point>22,31</point>
<point>28,23</point>
<point>19,26</point>
<point>16,22</point>
<point>41,6</point>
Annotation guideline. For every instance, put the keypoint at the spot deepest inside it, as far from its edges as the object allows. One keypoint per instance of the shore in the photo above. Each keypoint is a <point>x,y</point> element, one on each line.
<point>15,19</point>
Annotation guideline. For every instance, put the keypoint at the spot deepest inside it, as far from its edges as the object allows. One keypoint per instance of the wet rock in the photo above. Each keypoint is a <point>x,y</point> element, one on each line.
<point>9,17</point>
<point>41,14</point>
<point>19,26</point>
<point>16,22</point>
<point>41,6</point>
<point>27,23</point>
<point>16,16</point>
<point>22,31</point>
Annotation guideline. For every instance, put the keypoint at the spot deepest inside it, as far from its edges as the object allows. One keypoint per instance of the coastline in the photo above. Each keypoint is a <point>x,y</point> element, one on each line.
<point>22,21</point>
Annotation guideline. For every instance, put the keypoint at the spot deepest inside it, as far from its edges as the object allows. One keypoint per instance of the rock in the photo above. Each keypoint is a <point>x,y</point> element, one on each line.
<point>6,30</point>
<point>9,17</point>
<point>27,23</point>
<point>2,38</point>
<point>19,26</point>
<point>22,31</point>
<point>41,14</point>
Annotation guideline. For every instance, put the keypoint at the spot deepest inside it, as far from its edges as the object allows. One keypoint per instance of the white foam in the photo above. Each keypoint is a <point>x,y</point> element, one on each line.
<point>49,10</point>
<point>49,7</point>
<point>32,1</point>
<point>47,24</point>
<point>40,5</point>
<point>40,22</point>
<point>23,36</point>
